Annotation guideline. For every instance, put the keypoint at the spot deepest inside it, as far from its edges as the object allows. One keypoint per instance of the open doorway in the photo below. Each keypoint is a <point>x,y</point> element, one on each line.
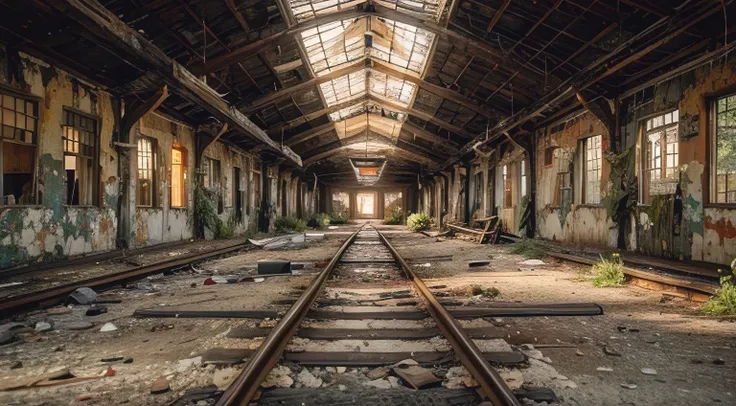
<point>366,205</point>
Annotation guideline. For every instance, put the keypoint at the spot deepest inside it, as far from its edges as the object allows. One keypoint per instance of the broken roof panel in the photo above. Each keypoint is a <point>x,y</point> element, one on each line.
<point>333,44</point>
<point>304,10</point>
<point>399,44</point>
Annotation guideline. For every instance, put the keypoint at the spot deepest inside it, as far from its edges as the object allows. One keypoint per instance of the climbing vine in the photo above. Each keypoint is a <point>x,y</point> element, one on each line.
<point>205,216</point>
<point>623,188</point>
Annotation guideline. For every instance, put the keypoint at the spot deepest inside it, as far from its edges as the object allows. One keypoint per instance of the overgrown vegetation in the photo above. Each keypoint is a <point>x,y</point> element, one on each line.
<point>529,248</point>
<point>419,222</point>
<point>289,224</point>
<point>475,290</point>
<point>395,217</point>
<point>338,218</point>
<point>723,301</point>
<point>205,216</point>
<point>609,272</point>
<point>322,220</point>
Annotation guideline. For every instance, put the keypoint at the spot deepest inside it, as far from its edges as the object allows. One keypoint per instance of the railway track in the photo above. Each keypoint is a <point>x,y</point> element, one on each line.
<point>393,318</point>
<point>58,294</point>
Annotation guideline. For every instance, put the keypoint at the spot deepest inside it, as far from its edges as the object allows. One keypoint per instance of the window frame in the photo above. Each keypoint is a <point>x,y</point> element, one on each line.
<point>711,198</point>
<point>507,187</point>
<point>257,184</point>
<point>35,102</point>
<point>584,171</point>
<point>184,165</point>
<point>644,160</point>
<point>96,198</point>
<point>154,175</point>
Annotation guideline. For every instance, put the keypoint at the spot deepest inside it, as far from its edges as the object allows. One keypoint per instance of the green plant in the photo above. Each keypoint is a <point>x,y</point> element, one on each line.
<point>338,218</point>
<point>289,224</point>
<point>609,272</point>
<point>475,290</point>
<point>395,217</point>
<point>529,248</point>
<point>322,219</point>
<point>723,301</point>
<point>419,222</point>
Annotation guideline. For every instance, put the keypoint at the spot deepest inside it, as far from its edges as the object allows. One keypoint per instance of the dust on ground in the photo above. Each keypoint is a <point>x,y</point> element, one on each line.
<point>693,356</point>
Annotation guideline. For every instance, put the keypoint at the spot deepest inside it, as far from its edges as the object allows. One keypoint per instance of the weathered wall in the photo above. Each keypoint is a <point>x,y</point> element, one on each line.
<point>51,230</point>
<point>163,223</point>
<point>569,221</point>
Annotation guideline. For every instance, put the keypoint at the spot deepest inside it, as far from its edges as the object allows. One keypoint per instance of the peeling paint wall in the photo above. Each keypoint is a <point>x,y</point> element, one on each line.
<point>51,230</point>
<point>163,223</point>
<point>563,218</point>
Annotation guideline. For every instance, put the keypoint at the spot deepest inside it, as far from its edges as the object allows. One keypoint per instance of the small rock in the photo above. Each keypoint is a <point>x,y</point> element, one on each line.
<point>379,383</point>
<point>604,369</point>
<point>128,361</point>
<point>279,377</point>
<point>342,387</point>
<point>621,329</point>
<point>96,311</point>
<point>579,353</point>
<point>42,326</point>
<point>186,364</point>
<point>341,370</point>
<point>629,386</point>
<point>377,373</point>
<point>649,371</point>
<point>719,361</point>
<point>611,351</point>
<point>16,365</point>
<point>7,337</point>
<point>160,385</point>
<point>513,378</point>
<point>307,380</point>
<point>59,348</point>
<point>223,378</point>
<point>77,325</point>
<point>110,372</point>
<point>82,398</point>
<point>83,296</point>
<point>108,327</point>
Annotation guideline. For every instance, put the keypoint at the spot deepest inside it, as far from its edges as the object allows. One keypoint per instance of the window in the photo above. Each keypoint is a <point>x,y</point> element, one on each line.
<point>592,157</point>
<point>79,136</point>
<point>724,143</point>
<point>392,202</point>
<point>237,194</point>
<point>257,183</point>
<point>660,156</point>
<point>212,177</point>
<point>341,203</point>
<point>564,179</point>
<point>178,177</point>
<point>18,129</point>
<point>506,188</point>
<point>145,192</point>
<point>522,185</point>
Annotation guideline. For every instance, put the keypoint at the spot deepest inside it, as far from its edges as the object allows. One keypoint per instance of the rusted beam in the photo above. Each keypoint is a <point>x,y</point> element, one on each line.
<point>135,110</point>
<point>109,31</point>
<point>497,15</point>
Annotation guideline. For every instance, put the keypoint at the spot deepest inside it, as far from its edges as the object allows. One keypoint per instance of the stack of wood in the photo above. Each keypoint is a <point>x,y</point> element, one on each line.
<point>489,230</point>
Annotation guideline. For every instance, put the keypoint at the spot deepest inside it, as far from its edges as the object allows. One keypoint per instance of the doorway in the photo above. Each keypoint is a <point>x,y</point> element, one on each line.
<point>366,205</point>
<point>237,194</point>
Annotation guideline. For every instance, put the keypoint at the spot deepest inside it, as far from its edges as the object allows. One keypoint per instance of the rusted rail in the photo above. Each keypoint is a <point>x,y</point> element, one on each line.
<point>57,294</point>
<point>265,358</point>
<point>465,349</point>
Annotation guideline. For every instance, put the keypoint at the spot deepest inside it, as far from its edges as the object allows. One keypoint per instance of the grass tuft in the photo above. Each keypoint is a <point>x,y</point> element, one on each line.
<point>723,302</point>
<point>609,272</point>
<point>529,248</point>
<point>475,290</point>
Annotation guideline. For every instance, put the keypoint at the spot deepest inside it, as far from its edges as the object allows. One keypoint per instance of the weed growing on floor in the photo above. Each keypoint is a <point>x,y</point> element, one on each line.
<point>609,272</point>
<point>289,224</point>
<point>723,301</point>
<point>419,222</point>
<point>475,290</point>
<point>394,218</point>
<point>529,248</point>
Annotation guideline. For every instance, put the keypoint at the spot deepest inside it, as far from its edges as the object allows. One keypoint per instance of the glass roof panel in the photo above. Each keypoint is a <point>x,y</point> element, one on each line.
<point>304,10</point>
<point>388,87</point>
<point>344,88</point>
<point>348,112</point>
<point>402,45</point>
<point>333,44</point>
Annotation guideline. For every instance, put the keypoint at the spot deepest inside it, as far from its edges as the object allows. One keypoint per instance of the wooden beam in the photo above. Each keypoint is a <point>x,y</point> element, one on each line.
<point>428,136</point>
<point>111,32</point>
<point>300,87</point>
<point>238,15</point>
<point>135,110</point>
<point>424,116</point>
<point>309,134</point>
<point>601,110</point>
<point>330,152</point>
<point>497,15</point>
<point>677,24</point>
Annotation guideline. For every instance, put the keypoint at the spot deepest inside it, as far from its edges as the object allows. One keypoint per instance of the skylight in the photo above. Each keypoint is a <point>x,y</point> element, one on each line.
<point>347,112</point>
<point>344,88</point>
<point>400,44</point>
<point>333,44</point>
<point>390,88</point>
<point>304,10</point>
